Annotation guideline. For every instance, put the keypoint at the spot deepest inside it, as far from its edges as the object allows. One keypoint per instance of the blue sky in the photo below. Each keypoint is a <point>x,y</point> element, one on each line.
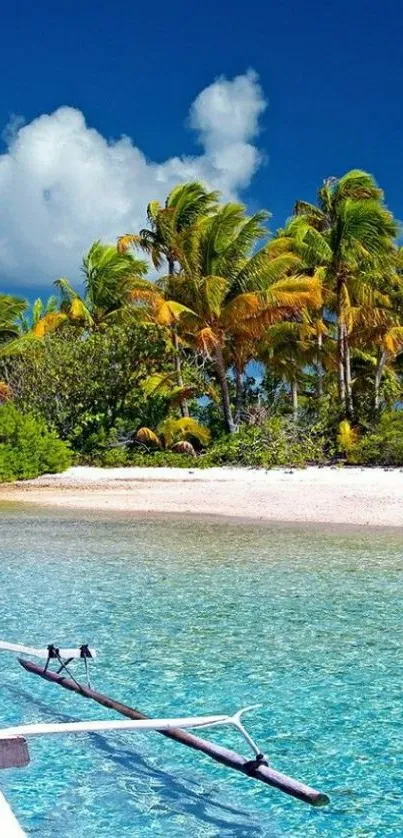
<point>331,74</point>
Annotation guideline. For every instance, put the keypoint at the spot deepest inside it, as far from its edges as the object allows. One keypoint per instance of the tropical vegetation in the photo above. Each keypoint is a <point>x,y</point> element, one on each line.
<point>205,339</point>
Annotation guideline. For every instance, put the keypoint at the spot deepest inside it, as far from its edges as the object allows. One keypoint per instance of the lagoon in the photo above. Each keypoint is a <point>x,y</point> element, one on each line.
<point>195,617</point>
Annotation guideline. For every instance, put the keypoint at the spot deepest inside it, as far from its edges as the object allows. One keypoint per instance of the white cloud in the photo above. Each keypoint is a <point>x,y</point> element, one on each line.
<point>63,185</point>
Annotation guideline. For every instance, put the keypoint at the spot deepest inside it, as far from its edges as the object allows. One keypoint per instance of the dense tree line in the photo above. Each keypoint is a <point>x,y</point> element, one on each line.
<point>203,326</point>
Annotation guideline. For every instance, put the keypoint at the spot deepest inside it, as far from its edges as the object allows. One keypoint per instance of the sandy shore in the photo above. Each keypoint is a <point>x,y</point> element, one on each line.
<point>372,497</point>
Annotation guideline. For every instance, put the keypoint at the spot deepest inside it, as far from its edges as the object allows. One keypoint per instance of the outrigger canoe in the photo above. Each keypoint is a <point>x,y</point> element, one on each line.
<point>14,750</point>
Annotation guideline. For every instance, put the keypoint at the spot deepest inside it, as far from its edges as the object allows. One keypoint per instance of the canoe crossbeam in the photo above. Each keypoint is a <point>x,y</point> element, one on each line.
<point>11,735</point>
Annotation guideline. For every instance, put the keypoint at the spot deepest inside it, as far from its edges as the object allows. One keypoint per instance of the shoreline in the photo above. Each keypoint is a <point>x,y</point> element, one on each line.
<point>316,495</point>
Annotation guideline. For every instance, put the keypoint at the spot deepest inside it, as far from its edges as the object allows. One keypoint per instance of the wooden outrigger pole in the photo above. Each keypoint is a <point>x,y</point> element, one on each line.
<point>257,768</point>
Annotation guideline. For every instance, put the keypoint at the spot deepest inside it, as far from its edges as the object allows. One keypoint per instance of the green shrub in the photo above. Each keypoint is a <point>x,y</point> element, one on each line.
<point>347,439</point>
<point>83,383</point>
<point>116,457</point>
<point>384,445</point>
<point>27,447</point>
<point>277,443</point>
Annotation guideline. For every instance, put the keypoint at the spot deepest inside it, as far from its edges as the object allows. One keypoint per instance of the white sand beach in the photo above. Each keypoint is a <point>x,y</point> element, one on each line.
<point>360,496</point>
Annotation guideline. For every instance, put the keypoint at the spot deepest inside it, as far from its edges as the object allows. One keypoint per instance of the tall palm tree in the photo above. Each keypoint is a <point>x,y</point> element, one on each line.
<point>289,349</point>
<point>289,242</point>
<point>184,207</point>
<point>108,279</point>
<point>379,333</point>
<point>350,234</point>
<point>231,291</point>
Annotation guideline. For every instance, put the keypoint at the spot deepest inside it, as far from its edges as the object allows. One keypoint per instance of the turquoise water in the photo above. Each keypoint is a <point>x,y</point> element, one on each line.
<point>199,618</point>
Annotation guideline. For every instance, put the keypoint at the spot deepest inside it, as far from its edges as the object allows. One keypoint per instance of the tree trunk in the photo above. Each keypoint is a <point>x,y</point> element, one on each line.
<point>222,380</point>
<point>294,395</point>
<point>238,396</point>
<point>341,347</point>
<point>319,366</point>
<point>347,376</point>
<point>378,378</point>
<point>184,409</point>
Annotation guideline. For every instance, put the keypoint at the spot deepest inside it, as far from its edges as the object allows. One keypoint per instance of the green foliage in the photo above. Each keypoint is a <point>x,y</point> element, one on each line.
<point>384,445</point>
<point>117,457</point>
<point>27,447</point>
<point>317,309</point>
<point>11,310</point>
<point>84,384</point>
<point>277,443</point>
<point>174,430</point>
<point>108,279</point>
<point>346,438</point>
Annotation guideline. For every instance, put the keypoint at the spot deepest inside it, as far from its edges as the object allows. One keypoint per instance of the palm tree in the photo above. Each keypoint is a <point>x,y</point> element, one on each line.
<point>378,332</point>
<point>184,207</point>
<point>289,349</point>
<point>11,311</point>
<point>350,234</point>
<point>30,324</point>
<point>289,242</point>
<point>175,434</point>
<point>230,291</point>
<point>42,318</point>
<point>108,279</point>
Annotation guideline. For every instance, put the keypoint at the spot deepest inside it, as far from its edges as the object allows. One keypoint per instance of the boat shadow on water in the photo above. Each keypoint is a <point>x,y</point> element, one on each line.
<point>176,795</point>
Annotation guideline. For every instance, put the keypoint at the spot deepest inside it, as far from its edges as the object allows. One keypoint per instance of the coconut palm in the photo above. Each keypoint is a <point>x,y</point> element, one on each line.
<point>30,324</point>
<point>231,291</point>
<point>42,318</point>
<point>184,207</point>
<point>289,349</point>
<point>108,279</point>
<point>378,334</point>
<point>350,234</point>
<point>175,434</point>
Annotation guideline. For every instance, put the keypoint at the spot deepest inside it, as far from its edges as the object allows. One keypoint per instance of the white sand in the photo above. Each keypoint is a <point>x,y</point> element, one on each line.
<point>363,496</point>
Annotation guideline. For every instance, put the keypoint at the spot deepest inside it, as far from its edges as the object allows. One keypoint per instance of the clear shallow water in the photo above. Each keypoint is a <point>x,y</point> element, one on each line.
<point>205,617</point>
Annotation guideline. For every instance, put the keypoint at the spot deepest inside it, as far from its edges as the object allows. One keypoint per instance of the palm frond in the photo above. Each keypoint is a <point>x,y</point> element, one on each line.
<point>263,268</point>
<point>358,185</point>
<point>11,312</point>
<point>147,436</point>
<point>245,238</point>
<point>126,241</point>
<point>153,209</point>
<point>367,223</point>
<point>48,323</point>
<point>313,214</point>
<point>393,341</point>
<point>215,290</point>
<point>174,430</point>
<point>206,341</point>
